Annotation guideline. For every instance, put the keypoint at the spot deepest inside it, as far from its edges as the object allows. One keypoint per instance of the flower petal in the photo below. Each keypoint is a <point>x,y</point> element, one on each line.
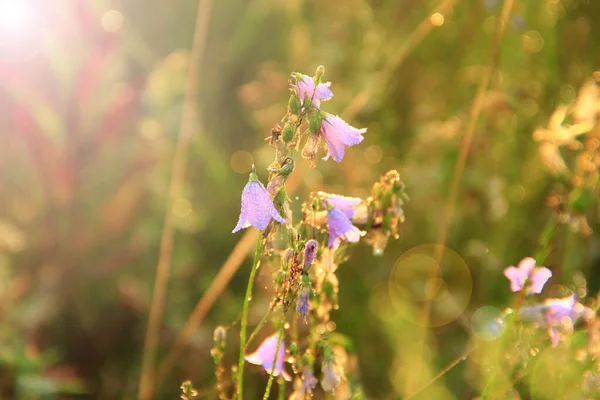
<point>527,265</point>
<point>343,203</point>
<point>516,277</point>
<point>538,279</point>
<point>265,354</point>
<point>338,134</point>
<point>323,92</point>
<point>340,226</point>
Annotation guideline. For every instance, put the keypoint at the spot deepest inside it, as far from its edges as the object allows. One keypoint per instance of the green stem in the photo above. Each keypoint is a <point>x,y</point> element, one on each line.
<point>281,382</point>
<point>279,339</point>
<point>240,374</point>
<point>259,327</point>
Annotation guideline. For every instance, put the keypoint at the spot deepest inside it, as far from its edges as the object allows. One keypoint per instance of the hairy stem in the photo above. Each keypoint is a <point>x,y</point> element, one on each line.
<point>279,339</point>
<point>244,323</point>
<point>259,327</point>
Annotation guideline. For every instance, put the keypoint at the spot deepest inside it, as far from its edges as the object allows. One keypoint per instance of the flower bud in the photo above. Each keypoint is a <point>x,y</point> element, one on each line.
<point>319,74</point>
<point>220,336</point>
<point>294,104</point>
<point>310,251</point>
<point>315,122</point>
<point>288,133</point>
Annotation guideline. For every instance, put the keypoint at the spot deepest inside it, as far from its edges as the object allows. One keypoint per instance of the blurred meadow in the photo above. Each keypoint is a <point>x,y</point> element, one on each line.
<point>97,99</point>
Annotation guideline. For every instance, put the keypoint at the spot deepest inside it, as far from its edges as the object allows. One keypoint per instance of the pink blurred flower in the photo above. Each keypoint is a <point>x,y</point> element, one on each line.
<point>528,273</point>
<point>265,354</point>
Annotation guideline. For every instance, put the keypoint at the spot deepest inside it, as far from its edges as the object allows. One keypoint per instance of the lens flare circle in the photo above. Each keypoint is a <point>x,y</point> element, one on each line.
<point>487,323</point>
<point>420,283</point>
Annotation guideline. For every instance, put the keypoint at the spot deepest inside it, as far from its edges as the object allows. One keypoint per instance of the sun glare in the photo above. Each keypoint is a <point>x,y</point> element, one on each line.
<point>16,16</point>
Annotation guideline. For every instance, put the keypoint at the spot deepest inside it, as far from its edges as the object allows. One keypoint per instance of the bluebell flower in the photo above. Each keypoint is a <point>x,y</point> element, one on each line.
<point>257,206</point>
<point>331,378</point>
<point>338,134</point>
<point>306,88</point>
<point>342,203</point>
<point>302,305</point>
<point>340,227</point>
<point>304,386</point>
<point>265,354</point>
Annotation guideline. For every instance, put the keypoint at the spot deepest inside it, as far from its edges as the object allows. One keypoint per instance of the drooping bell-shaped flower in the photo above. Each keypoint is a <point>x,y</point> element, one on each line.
<point>302,305</point>
<point>338,134</point>
<point>527,273</point>
<point>342,203</point>
<point>265,354</point>
<point>257,206</point>
<point>331,378</point>
<point>306,88</point>
<point>340,227</point>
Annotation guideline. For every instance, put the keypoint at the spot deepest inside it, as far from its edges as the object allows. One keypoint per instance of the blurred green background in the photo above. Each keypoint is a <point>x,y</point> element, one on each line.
<point>91,97</point>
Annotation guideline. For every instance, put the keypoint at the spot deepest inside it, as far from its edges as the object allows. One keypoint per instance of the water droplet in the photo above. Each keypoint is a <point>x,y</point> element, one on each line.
<point>249,298</point>
<point>297,197</point>
<point>336,307</point>
<point>378,252</point>
<point>286,325</point>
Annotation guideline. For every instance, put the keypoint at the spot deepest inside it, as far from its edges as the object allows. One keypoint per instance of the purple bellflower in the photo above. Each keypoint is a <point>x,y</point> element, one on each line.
<point>338,219</point>
<point>257,207</point>
<point>340,227</point>
<point>338,134</point>
<point>304,386</point>
<point>302,305</point>
<point>306,88</point>
<point>527,273</point>
<point>342,203</point>
<point>309,382</point>
<point>331,378</point>
<point>265,354</point>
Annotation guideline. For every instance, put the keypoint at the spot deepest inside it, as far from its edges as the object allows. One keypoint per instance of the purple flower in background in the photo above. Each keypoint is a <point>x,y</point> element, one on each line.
<point>558,310</point>
<point>265,354</point>
<point>257,207</point>
<point>340,227</point>
<point>342,203</point>
<point>561,313</point>
<point>527,272</point>
<point>331,379</point>
<point>302,305</point>
<point>309,382</point>
<point>310,252</point>
<point>306,88</point>
<point>338,134</point>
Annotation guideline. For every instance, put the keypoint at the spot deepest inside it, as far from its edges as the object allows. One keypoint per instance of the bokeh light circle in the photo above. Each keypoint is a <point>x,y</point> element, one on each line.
<point>487,323</point>
<point>418,284</point>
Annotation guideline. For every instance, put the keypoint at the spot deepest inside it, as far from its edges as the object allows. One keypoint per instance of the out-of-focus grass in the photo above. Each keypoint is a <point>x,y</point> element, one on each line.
<point>90,104</point>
